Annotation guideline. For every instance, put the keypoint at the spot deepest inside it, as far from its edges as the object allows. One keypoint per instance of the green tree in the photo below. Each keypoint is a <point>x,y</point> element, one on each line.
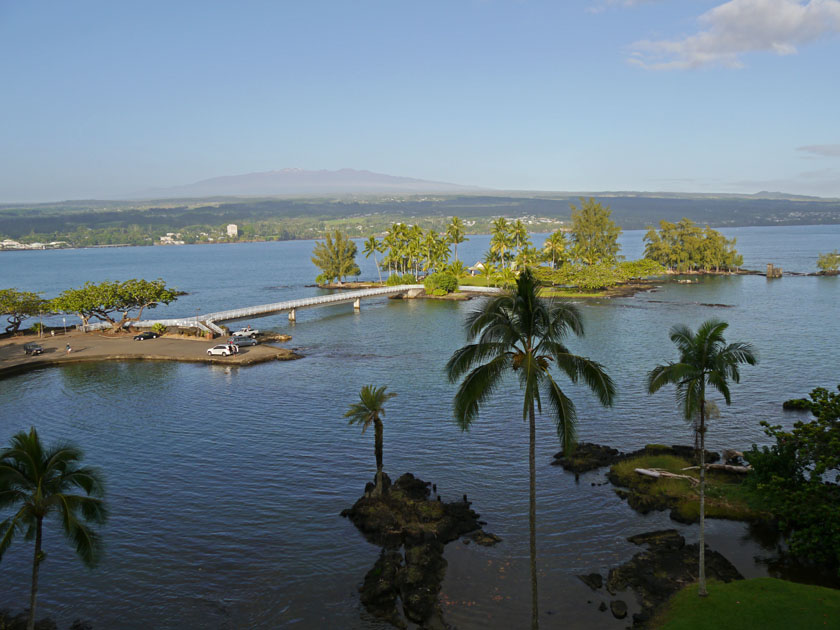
<point>798,480</point>
<point>455,233</point>
<point>594,233</point>
<point>520,333</point>
<point>705,359</point>
<point>684,246</point>
<point>369,410</point>
<point>104,300</point>
<point>18,306</point>
<point>35,482</point>
<point>336,257</point>
<point>556,248</point>
<point>829,262</point>
<point>500,241</point>
<point>372,246</point>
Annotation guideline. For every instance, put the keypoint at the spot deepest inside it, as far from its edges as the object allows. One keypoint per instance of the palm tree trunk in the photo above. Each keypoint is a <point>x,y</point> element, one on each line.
<point>377,427</point>
<point>378,269</point>
<point>36,562</point>
<point>532,516</point>
<point>701,590</point>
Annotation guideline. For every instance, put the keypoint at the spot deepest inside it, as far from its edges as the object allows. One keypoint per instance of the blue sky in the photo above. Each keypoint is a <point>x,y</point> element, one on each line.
<point>102,99</point>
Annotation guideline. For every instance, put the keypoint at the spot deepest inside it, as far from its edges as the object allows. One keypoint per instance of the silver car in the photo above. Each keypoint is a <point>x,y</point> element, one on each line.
<point>243,341</point>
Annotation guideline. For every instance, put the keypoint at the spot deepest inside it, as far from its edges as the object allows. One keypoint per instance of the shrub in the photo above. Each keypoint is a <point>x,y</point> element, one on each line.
<point>409,278</point>
<point>37,327</point>
<point>159,329</point>
<point>394,280</point>
<point>441,283</point>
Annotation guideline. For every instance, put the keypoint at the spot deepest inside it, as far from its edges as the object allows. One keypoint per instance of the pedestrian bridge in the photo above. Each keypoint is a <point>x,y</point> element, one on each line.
<point>209,321</point>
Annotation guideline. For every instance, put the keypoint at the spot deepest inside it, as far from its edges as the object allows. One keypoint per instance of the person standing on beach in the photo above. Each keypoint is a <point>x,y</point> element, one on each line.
<point>68,348</point>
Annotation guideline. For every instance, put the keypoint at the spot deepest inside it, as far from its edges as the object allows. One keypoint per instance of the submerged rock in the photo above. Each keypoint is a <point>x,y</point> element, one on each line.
<point>402,516</point>
<point>664,568</point>
<point>618,608</point>
<point>592,580</point>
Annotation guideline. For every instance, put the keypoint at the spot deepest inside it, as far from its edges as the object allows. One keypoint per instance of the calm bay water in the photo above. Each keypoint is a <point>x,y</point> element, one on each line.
<point>225,484</point>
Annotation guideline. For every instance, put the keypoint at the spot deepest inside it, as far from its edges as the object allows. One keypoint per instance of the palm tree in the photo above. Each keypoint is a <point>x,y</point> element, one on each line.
<point>501,240</point>
<point>370,409</point>
<point>555,248</point>
<point>520,333</point>
<point>372,246</point>
<point>455,233</point>
<point>705,359</point>
<point>39,481</point>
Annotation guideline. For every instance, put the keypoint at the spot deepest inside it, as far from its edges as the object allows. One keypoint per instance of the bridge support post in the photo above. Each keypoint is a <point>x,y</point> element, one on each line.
<point>357,305</point>
<point>292,315</point>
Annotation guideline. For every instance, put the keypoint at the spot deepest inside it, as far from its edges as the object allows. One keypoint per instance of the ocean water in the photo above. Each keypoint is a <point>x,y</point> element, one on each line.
<point>225,484</point>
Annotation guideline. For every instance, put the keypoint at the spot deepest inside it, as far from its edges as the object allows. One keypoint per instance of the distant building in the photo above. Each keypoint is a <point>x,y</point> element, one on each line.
<point>171,238</point>
<point>232,230</point>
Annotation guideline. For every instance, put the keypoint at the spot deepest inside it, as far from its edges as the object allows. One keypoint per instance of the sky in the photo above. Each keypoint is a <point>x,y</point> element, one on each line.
<point>100,99</point>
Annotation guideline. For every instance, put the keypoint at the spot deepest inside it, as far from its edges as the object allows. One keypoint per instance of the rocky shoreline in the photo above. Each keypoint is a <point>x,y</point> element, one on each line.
<point>664,568</point>
<point>412,529</point>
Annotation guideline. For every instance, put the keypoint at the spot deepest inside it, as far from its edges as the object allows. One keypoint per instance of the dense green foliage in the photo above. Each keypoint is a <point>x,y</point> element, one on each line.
<point>756,604</point>
<point>520,334</point>
<point>594,234</point>
<point>829,262</point>
<point>798,480</point>
<point>704,359</point>
<point>37,482</point>
<point>599,275</point>
<point>17,306</point>
<point>685,246</point>
<point>128,299</point>
<point>335,256</point>
<point>441,283</point>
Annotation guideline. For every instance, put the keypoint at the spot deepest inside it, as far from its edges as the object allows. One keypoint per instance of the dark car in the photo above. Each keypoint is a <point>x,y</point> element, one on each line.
<point>145,335</point>
<point>243,341</point>
<point>32,348</point>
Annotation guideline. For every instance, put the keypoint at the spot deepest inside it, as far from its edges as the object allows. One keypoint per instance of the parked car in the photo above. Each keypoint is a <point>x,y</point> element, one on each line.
<point>243,341</point>
<point>145,335</point>
<point>32,348</point>
<point>223,350</point>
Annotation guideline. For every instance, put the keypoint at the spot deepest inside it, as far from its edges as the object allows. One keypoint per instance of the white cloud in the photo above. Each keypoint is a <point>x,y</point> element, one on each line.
<point>742,26</point>
<point>824,150</point>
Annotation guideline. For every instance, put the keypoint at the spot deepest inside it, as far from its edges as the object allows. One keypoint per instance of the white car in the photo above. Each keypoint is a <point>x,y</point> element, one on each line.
<point>223,350</point>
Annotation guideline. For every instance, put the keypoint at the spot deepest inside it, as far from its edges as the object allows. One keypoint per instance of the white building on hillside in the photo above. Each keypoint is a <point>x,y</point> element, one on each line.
<point>232,230</point>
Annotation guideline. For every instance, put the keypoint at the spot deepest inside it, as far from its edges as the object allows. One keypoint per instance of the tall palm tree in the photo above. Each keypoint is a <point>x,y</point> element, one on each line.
<point>455,233</point>
<point>705,359</point>
<point>37,481</point>
<point>372,246</point>
<point>520,333</point>
<point>369,410</point>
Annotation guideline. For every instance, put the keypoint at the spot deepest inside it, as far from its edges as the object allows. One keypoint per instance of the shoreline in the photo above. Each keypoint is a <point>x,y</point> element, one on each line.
<point>97,347</point>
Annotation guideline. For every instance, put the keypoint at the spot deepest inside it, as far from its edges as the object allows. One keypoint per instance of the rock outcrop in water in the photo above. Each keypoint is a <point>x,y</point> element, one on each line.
<point>9,621</point>
<point>667,566</point>
<point>588,456</point>
<point>403,517</point>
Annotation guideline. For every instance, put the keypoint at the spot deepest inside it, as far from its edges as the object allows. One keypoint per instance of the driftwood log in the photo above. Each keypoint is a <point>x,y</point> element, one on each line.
<point>657,473</point>
<point>742,470</point>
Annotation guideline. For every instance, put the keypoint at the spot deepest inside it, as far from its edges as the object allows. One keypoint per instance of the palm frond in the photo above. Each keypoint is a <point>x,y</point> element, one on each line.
<point>563,413</point>
<point>476,387</point>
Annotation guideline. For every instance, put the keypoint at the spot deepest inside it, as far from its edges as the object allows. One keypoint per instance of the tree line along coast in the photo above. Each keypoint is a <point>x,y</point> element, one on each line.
<point>793,484</point>
<point>581,260</point>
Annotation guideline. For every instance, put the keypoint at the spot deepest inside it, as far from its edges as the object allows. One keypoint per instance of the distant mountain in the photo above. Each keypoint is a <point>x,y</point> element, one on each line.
<point>295,181</point>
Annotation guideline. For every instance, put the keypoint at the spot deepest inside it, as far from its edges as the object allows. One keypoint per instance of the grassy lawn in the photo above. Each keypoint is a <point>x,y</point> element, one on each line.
<point>726,494</point>
<point>757,604</point>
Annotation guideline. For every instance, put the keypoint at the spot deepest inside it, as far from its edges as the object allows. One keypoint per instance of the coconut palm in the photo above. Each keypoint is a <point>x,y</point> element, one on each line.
<point>372,246</point>
<point>501,241</point>
<point>555,248</point>
<point>705,359</point>
<point>522,334</point>
<point>370,409</point>
<point>35,482</point>
<point>455,233</point>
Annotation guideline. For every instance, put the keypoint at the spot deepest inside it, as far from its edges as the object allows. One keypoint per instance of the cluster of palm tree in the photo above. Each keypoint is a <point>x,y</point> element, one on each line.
<point>410,249</point>
<point>520,334</point>
<point>511,247</point>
